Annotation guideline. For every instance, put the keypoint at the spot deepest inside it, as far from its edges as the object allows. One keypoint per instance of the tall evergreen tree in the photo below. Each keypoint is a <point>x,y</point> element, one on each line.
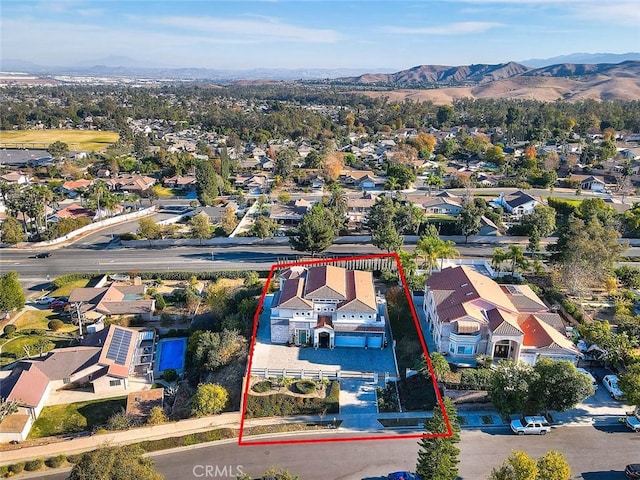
<point>438,457</point>
<point>315,232</point>
<point>11,293</point>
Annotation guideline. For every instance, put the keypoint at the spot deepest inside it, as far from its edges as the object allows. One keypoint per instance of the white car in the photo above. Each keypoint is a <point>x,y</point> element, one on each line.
<point>535,425</point>
<point>610,382</point>
<point>633,422</point>
<point>45,300</point>
<point>591,377</point>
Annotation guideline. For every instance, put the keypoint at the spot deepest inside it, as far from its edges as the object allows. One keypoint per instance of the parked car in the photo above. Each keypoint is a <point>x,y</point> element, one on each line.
<point>632,471</point>
<point>534,425</point>
<point>43,255</point>
<point>633,422</point>
<point>45,300</point>
<point>402,476</point>
<point>58,304</point>
<point>591,377</point>
<point>610,382</point>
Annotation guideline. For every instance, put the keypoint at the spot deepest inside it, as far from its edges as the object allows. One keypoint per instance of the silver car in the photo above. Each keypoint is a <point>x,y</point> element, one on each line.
<point>534,425</point>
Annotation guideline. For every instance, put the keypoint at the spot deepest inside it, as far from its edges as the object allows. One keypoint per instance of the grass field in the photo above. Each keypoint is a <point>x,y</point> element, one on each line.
<point>76,139</point>
<point>39,319</point>
<point>65,290</point>
<point>75,417</point>
<point>14,348</point>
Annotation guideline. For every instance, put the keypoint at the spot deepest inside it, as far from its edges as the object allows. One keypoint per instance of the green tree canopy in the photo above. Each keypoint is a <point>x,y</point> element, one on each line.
<point>263,227</point>
<point>387,238</point>
<point>114,463</point>
<point>509,389</point>
<point>315,232</point>
<point>148,228</point>
<point>11,293</point>
<point>630,385</point>
<point>209,399</point>
<point>200,226</point>
<point>58,149</point>
<point>11,231</point>
<point>559,385</point>
<point>469,219</point>
<point>518,466</point>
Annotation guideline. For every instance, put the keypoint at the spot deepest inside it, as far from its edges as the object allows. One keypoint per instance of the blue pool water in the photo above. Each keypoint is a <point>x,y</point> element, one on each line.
<point>170,353</point>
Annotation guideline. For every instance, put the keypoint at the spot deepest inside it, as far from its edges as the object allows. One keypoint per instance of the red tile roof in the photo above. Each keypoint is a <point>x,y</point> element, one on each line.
<point>30,386</point>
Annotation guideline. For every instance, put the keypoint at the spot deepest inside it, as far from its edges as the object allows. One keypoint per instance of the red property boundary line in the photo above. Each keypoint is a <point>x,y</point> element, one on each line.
<point>279,266</point>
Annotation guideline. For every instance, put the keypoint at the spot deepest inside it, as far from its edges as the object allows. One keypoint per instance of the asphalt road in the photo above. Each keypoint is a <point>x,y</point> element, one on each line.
<point>594,453</point>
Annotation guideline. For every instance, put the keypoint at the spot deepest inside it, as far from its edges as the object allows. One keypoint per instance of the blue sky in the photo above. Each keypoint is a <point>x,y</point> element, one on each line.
<point>313,34</point>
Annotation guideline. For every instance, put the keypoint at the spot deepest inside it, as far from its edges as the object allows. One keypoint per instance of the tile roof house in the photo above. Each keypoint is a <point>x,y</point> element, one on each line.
<point>105,361</point>
<point>131,183</point>
<point>470,314</point>
<point>327,306</point>
<point>114,300</point>
<point>179,182</point>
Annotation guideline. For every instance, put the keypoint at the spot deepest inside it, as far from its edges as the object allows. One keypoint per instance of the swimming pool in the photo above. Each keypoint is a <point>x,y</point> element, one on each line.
<point>170,353</point>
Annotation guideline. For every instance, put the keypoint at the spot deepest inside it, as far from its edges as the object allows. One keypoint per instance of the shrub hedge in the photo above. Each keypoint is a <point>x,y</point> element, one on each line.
<point>262,387</point>
<point>304,386</point>
<point>281,404</point>
<point>70,277</point>
<point>34,465</point>
<point>16,467</point>
<point>57,461</point>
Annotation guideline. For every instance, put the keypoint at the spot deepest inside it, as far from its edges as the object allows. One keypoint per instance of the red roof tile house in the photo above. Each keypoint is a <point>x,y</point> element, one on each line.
<point>470,314</point>
<point>29,387</point>
<point>327,306</point>
<point>114,300</point>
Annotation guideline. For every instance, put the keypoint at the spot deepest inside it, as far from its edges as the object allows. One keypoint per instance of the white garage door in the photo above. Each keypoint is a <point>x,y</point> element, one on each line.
<point>350,341</point>
<point>375,342</point>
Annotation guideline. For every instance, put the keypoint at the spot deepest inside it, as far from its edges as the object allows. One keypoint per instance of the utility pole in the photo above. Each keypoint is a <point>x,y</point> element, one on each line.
<point>78,305</point>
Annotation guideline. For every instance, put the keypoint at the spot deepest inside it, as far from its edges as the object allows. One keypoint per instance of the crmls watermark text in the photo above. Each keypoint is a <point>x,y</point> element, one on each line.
<point>217,471</point>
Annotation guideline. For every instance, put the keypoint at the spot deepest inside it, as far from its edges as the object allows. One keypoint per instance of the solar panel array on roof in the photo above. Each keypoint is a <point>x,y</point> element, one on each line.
<point>119,346</point>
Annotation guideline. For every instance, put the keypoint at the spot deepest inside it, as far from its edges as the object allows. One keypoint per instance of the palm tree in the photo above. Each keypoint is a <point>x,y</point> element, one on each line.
<point>392,184</point>
<point>499,256</point>
<point>446,249</point>
<point>408,263</point>
<point>427,248</point>
<point>434,181</point>
<point>515,253</point>
<point>417,217</point>
<point>97,191</point>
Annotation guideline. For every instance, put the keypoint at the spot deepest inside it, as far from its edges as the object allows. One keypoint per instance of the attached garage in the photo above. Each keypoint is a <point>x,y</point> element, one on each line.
<point>374,341</point>
<point>350,341</point>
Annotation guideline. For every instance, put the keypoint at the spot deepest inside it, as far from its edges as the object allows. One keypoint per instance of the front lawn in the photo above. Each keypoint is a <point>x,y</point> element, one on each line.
<point>65,290</point>
<point>75,417</point>
<point>14,348</point>
<point>39,320</point>
<point>281,404</point>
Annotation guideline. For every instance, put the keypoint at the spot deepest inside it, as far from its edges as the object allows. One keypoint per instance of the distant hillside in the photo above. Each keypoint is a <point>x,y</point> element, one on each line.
<point>442,74</point>
<point>582,58</point>
<point>625,69</point>
<point>512,80</point>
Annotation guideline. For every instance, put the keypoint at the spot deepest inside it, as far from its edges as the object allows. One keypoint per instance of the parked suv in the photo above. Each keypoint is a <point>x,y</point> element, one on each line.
<point>535,425</point>
<point>610,382</point>
<point>633,422</point>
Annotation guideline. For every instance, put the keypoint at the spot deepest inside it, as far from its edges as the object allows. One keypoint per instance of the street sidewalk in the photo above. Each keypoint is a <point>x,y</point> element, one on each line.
<point>470,420</point>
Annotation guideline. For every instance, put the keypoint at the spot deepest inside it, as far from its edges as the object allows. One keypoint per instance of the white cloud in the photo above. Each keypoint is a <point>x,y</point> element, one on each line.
<point>263,27</point>
<point>458,28</point>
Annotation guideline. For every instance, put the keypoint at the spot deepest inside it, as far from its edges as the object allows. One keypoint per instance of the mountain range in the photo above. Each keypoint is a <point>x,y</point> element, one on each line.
<point>443,84</point>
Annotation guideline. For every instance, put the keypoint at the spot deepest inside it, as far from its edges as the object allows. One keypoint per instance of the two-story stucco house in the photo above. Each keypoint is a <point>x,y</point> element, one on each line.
<point>470,314</point>
<point>327,306</point>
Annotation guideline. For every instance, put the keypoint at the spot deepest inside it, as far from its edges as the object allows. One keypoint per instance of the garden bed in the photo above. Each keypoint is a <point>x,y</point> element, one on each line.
<point>285,402</point>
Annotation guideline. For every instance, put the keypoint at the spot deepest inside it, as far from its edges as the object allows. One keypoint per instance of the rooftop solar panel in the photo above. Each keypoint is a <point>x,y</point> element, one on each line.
<point>119,346</point>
